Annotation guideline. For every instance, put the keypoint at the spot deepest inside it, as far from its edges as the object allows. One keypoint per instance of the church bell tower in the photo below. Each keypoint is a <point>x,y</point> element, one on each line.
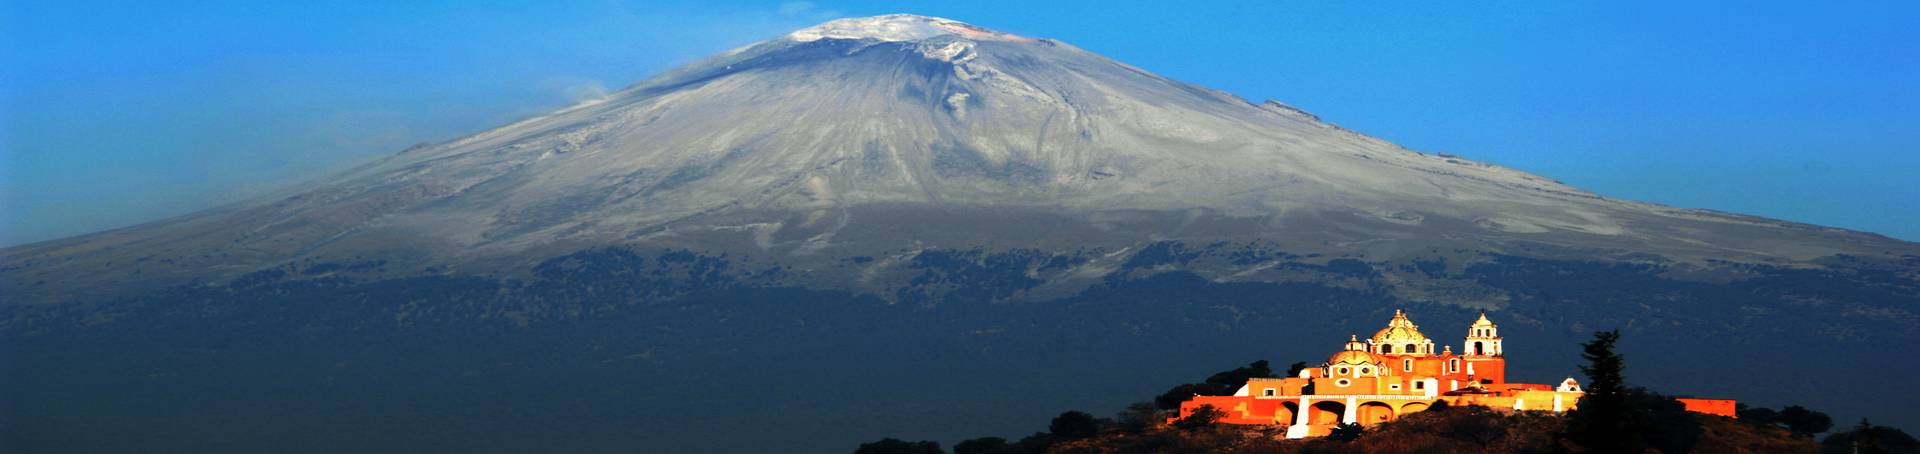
<point>1483,338</point>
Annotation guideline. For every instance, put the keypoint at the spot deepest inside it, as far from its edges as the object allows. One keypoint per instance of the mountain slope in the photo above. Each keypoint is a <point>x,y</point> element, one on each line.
<point>903,111</point>
<point>908,191</point>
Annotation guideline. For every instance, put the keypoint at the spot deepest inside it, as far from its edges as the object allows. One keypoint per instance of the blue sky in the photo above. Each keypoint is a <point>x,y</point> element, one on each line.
<point>115,113</point>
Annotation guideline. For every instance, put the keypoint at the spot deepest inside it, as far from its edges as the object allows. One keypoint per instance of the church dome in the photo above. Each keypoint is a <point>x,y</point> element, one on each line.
<point>1353,357</point>
<point>1400,330</point>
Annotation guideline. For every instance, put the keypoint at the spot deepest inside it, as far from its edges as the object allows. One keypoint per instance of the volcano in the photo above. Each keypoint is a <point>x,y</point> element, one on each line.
<point>889,226</point>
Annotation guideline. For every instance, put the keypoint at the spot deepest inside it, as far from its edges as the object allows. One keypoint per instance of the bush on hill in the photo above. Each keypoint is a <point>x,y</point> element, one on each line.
<point>1867,438</point>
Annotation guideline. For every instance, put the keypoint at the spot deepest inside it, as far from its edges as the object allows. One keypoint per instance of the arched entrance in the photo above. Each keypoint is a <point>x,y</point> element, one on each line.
<point>1286,413</point>
<point>1374,413</point>
<point>1413,407</point>
<point>1326,413</point>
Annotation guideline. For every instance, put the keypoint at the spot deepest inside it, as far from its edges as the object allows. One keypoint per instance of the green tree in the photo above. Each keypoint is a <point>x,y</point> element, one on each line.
<point>1867,438</point>
<point>1662,423</point>
<point>1074,425</point>
<point>1205,416</point>
<point>1758,416</point>
<point>1179,393</point>
<point>1602,421</point>
<point>1612,417</point>
<point>1139,417</point>
<point>983,445</point>
<point>1238,376</point>
<point>1346,432</point>
<point>1294,370</point>
<point>1038,442</point>
<point>1219,384</point>
<point>897,446</point>
<point>1804,422</point>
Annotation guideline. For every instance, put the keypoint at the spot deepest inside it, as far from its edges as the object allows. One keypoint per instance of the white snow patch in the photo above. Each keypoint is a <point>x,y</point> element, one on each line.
<point>897,27</point>
<point>958,103</point>
<point>957,51</point>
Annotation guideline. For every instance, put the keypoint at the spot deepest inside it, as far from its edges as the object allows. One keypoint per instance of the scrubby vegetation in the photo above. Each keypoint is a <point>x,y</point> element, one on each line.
<point>1470,429</point>
<point>1867,438</point>
<point>1612,417</point>
<point>1220,384</point>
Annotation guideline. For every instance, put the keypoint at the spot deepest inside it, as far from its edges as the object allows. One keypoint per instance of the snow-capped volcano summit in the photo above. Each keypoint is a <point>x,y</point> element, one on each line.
<point>897,27</point>
<point>798,147</point>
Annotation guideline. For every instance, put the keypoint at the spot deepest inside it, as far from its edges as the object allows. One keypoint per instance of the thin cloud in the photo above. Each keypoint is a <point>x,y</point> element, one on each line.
<point>575,89</point>
<point>793,8</point>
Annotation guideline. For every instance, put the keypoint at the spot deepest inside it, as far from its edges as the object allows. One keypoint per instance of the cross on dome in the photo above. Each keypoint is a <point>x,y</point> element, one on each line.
<point>1399,330</point>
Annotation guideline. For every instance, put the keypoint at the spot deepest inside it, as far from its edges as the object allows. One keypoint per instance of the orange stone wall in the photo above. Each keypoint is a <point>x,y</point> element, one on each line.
<point>1722,407</point>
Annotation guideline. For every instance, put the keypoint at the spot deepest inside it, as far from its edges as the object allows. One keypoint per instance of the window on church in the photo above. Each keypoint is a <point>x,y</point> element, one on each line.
<point>1407,364</point>
<point>1386,349</point>
<point>1269,392</point>
<point>1410,349</point>
<point>1419,385</point>
<point>1342,371</point>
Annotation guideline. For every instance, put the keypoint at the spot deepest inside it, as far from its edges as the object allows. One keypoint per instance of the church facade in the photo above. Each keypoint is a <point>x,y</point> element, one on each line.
<point>1396,372</point>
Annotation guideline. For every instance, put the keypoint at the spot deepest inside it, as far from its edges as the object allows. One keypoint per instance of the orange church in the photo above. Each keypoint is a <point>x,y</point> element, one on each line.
<point>1396,372</point>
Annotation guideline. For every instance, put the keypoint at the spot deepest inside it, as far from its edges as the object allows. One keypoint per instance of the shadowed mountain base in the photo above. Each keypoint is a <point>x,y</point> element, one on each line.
<point>614,351</point>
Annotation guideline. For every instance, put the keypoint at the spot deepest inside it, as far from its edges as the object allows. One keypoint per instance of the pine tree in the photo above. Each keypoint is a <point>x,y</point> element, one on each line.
<point>1604,420</point>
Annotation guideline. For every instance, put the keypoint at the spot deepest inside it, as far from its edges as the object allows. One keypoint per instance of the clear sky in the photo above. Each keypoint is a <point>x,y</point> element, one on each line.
<point>115,113</point>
